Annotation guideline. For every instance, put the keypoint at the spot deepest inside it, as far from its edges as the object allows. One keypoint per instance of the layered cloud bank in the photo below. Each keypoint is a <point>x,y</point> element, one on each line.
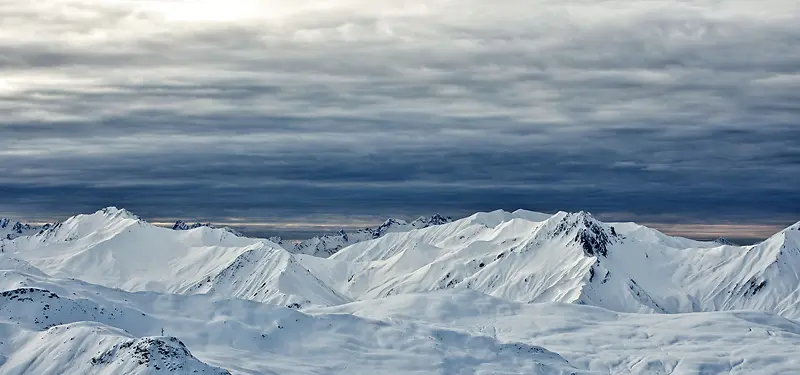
<point>683,109</point>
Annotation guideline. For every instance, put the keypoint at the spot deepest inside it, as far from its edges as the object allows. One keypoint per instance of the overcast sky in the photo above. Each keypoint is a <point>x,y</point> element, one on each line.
<point>342,112</point>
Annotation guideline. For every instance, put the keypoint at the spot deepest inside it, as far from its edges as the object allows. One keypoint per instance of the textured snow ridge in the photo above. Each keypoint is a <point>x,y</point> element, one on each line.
<point>93,348</point>
<point>242,336</point>
<point>270,275</point>
<point>572,257</point>
<point>607,342</point>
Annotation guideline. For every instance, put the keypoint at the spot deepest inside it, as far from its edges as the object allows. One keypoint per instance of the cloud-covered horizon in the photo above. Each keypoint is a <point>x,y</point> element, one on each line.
<point>672,112</point>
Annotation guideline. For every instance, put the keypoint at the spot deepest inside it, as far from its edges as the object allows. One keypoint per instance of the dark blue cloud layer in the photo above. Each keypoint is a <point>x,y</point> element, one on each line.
<point>659,111</point>
<point>712,175</point>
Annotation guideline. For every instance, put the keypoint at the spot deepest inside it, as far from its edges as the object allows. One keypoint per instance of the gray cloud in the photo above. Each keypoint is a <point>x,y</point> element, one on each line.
<point>270,110</point>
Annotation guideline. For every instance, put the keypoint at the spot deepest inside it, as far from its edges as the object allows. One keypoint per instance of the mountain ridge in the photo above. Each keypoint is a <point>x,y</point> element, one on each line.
<point>580,260</point>
<point>328,244</point>
<point>482,292</point>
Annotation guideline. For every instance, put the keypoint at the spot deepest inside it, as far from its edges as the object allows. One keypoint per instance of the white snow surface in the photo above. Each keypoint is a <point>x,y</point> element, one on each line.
<point>493,293</point>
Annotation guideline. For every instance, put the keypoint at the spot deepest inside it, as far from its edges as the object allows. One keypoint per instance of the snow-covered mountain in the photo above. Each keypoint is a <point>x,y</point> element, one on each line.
<point>493,293</point>
<point>521,256</point>
<point>325,245</point>
<point>12,229</point>
<point>115,248</point>
<point>574,258</point>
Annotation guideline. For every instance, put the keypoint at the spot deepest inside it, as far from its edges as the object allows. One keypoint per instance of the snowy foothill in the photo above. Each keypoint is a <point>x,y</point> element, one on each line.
<point>493,293</point>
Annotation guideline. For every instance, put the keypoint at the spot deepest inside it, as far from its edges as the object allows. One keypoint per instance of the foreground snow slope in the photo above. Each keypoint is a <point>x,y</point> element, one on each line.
<point>90,348</point>
<point>730,342</point>
<point>96,330</point>
<point>89,329</point>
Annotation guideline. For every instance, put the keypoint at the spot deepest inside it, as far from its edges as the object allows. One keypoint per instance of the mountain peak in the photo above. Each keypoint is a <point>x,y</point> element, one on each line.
<point>593,236</point>
<point>112,211</point>
<point>161,353</point>
<point>180,225</point>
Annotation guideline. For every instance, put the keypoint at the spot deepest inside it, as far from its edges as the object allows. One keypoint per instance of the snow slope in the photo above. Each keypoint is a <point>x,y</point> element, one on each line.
<point>92,348</point>
<point>607,342</point>
<point>90,329</point>
<point>71,327</point>
<point>114,248</point>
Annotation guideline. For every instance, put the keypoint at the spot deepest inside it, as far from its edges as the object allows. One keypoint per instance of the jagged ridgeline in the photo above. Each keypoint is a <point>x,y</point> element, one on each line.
<point>521,256</point>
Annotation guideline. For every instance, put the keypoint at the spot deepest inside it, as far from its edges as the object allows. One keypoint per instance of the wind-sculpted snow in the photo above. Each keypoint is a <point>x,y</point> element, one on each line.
<point>243,337</point>
<point>574,258</point>
<point>270,275</point>
<point>115,248</point>
<point>161,354</point>
<point>96,349</point>
<point>516,259</point>
<point>732,342</point>
<point>493,293</point>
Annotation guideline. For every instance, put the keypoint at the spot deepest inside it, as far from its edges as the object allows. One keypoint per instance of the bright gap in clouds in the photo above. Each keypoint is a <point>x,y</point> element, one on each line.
<point>214,11</point>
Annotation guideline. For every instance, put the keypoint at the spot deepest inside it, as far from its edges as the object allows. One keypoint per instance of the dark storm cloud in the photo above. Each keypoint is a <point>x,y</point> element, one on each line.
<point>658,110</point>
<point>724,175</point>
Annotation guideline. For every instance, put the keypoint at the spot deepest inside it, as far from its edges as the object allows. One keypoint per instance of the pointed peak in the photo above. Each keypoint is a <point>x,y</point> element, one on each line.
<point>592,235</point>
<point>180,225</point>
<point>576,218</point>
<point>112,211</point>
